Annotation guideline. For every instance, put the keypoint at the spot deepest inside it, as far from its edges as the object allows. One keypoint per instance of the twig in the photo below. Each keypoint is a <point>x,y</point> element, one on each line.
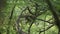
<point>30,27</point>
<point>45,29</point>
<point>10,18</point>
<point>45,21</point>
<point>30,11</point>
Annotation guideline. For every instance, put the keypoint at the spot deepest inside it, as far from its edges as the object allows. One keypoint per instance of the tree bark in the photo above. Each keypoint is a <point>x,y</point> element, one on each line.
<point>55,16</point>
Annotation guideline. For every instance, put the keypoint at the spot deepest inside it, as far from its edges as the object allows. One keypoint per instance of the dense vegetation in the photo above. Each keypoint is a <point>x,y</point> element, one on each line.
<point>29,16</point>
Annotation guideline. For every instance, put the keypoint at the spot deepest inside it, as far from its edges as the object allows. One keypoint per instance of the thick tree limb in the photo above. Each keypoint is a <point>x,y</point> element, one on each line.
<point>53,10</point>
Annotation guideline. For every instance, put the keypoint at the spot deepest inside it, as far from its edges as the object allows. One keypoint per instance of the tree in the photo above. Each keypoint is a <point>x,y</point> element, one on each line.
<point>29,16</point>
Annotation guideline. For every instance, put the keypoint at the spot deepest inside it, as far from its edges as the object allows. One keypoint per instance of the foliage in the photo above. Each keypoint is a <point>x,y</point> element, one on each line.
<point>28,17</point>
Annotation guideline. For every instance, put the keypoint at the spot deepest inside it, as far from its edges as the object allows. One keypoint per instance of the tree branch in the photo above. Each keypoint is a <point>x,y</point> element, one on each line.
<point>53,10</point>
<point>19,30</point>
<point>45,29</point>
<point>45,21</point>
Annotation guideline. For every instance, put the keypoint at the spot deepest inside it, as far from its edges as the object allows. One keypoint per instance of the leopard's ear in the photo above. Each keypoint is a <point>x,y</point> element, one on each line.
<point>2,4</point>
